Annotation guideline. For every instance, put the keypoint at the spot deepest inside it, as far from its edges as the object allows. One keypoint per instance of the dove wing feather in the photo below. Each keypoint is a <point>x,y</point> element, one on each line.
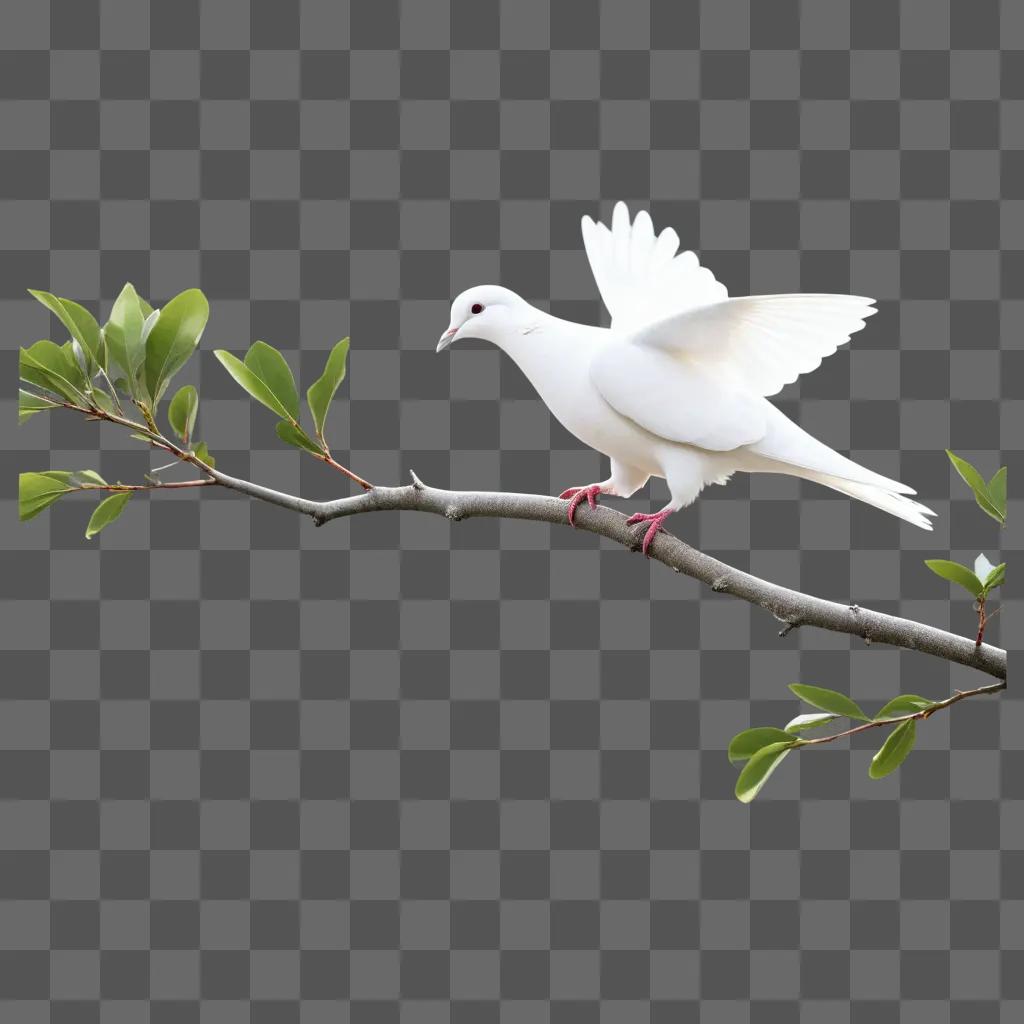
<point>759,343</point>
<point>662,300</point>
<point>639,275</point>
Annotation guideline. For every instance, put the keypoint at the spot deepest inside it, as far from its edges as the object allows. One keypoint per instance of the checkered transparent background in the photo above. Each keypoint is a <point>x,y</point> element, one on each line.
<point>395,769</point>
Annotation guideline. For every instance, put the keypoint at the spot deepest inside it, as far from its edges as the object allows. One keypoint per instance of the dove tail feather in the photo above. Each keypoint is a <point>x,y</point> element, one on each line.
<point>896,504</point>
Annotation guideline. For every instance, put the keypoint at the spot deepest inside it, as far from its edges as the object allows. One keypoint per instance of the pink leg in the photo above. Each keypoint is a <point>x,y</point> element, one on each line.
<point>655,519</point>
<point>577,494</point>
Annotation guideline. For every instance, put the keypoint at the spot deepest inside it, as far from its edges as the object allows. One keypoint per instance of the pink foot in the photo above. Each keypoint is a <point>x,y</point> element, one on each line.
<point>654,518</point>
<point>577,494</point>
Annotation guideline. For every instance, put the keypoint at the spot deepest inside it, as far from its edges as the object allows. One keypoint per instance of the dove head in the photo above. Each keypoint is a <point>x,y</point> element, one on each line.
<point>487,311</point>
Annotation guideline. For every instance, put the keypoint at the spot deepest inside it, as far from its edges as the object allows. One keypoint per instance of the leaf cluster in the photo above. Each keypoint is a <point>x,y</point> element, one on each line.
<point>763,748</point>
<point>38,491</point>
<point>990,496</point>
<point>130,361</point>
<point>984,577</point>
<point>134,356</point>
<point>265,375</point>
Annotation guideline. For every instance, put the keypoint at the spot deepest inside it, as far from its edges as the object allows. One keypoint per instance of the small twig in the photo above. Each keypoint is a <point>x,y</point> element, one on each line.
<point>157,444</point>
<point>157,486</point>
<point>365,484</point>
<point>958,695</point>
<point>982,621</point>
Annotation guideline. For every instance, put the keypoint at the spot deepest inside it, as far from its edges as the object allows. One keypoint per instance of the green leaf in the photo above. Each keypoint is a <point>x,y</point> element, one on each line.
<point>760,766</point>
<point>202,453</point>
<point>812,721</point>
<point>904,704</point>
<point>997,491</point>
<point>78,320</point>
<point>123,336</point>
<point>986,506</point>
<point>894,750</point>
<point>102,400</point>
<point>969,474</point>
<point>182,411</point>
<point>174,338</point>
<point>747,743</point>
<point>955,573</point>
<point>38,491</point>
<point>82,360</point>
<point>977,484</point>
<point>324,389</point>
<point>828,700</point>
<point>77,372</point>
<point>106,512</point>
<point>271,367</point>
<point>293,435</point>
<point>251,382</point>
<point>151,318</point>
<point>87,476</point>
<point>996,577</point>
<point>29,404</point>
<point>50,366</point>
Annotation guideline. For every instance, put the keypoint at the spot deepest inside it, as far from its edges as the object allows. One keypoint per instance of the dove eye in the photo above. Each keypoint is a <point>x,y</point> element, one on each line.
<point>477,308</point>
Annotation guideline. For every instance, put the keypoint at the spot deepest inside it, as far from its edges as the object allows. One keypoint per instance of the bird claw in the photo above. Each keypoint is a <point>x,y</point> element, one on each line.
<point>576,496</point>
<point>655,519</point>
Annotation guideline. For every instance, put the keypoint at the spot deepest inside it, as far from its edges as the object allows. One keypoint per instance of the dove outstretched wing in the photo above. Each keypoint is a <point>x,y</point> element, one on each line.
<point>759,343</point>
<point>689,363</point>
<point>670,302</point>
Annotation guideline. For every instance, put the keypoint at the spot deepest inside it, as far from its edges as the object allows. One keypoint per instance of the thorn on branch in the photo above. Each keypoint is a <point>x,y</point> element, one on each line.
<point>417,483</point>
<point>788,628</point>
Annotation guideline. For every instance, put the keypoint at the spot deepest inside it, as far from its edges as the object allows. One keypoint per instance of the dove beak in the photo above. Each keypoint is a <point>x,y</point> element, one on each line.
<point>447,338</point>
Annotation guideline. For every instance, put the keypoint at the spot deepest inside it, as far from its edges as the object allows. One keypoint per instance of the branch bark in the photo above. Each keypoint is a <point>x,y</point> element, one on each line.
<point>788,606</point>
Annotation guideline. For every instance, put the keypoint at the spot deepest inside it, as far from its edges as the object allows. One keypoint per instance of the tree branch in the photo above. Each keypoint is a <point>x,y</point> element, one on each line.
<point>789,606</point>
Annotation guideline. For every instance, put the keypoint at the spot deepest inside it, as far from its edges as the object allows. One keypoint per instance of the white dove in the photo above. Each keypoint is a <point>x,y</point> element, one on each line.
<point>676,387</point>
